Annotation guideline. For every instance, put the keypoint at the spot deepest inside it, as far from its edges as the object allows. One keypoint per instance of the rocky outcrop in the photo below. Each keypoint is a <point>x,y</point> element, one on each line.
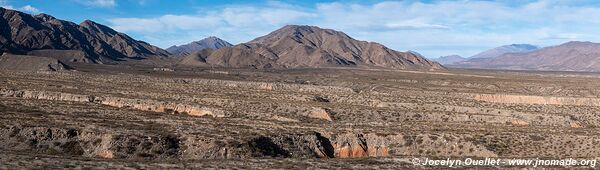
<point>156,106</point>
<point>518,122</point>
<point>359,146</point>
<point>575,125</point>
<point>319,113</point>
<point>105,154</point>
<point>43,95</point>
<point>77,142</point>
<point>138,104</point>
<point>309,145</point>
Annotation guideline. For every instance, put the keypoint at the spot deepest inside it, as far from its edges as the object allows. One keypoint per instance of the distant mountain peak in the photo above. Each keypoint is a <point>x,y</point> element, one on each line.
<point>212,38</point>
<point>300,34</point>
<point>450,59</point>
<point>525,46</point>
<point>211,42</point>
<point>44,17</point>
<point>297,27</point>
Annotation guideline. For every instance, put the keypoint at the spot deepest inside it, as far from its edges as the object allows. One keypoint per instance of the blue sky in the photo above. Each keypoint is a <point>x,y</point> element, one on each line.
<point>432,28</point>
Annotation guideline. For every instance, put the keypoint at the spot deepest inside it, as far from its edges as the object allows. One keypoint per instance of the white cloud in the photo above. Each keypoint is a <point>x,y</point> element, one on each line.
<point>234,23</point>
<point>248,16</point>
<point>98,3</point>
<point>4,4</point>
<point>30,9</point>
<point>433,29</point>
<point>164,23</point>
<point>563,36</point>
<point>26,8</point>
<point>414,24</point>
<point>230,17</point>
<point>136,25</point>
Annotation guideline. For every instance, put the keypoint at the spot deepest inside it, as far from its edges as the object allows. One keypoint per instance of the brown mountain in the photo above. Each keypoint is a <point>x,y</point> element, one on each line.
<point>196,59</point>
<point>21,33</point>
<point>307,47</point>
<point>571,56</point>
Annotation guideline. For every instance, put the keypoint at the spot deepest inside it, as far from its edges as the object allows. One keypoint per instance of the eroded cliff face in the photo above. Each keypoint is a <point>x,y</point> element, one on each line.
<point>88,143</point>
<point>138,104</point>
<point>543,100</point>
<point>111,145</point>
<point>319,113</point>
<point>359,146</point>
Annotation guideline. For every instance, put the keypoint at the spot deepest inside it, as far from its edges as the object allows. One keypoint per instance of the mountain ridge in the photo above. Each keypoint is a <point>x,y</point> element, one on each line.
<point>22,33</point>
<point>569,56</point>
<point>211,42</point>
<point>512,48</point>
<point>301,46</point>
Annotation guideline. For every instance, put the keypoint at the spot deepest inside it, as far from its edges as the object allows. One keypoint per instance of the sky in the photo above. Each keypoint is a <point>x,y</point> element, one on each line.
<point>432,28</point>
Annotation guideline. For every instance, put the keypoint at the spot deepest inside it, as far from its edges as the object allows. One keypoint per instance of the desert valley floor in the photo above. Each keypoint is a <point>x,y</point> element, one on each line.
<point>106,116</point>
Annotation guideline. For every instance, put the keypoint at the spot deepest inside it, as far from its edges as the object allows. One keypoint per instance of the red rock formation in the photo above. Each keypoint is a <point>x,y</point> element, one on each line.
<point>319,113</point>
<point>105,154</point>
<point>359,151</point>
<point>359,146</point>
<point>575,125</point>
<point>519,123</point>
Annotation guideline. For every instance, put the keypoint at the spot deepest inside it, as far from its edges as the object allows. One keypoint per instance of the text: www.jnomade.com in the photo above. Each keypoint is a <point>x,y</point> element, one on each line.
<point>503,162</point>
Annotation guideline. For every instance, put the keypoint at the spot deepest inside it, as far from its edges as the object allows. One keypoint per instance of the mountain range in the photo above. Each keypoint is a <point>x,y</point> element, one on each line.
<point>211,42</point>
<point>44,35</point>
<point>47,43</point>
<point>292,46</point>
<point>296,46</point>
<point>459,61</point>
<point>512,48</point>
<point>570,56</point>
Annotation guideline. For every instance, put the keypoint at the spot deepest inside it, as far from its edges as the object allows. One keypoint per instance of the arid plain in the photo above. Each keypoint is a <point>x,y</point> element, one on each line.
<point>142,117</point>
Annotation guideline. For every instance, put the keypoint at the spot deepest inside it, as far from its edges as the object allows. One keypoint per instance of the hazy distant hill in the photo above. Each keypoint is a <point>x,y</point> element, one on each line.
<point>209,42</point>
<point>450,59</point>
<point>296,46</point>
<point>571,56</point>
<point>513,48</point>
